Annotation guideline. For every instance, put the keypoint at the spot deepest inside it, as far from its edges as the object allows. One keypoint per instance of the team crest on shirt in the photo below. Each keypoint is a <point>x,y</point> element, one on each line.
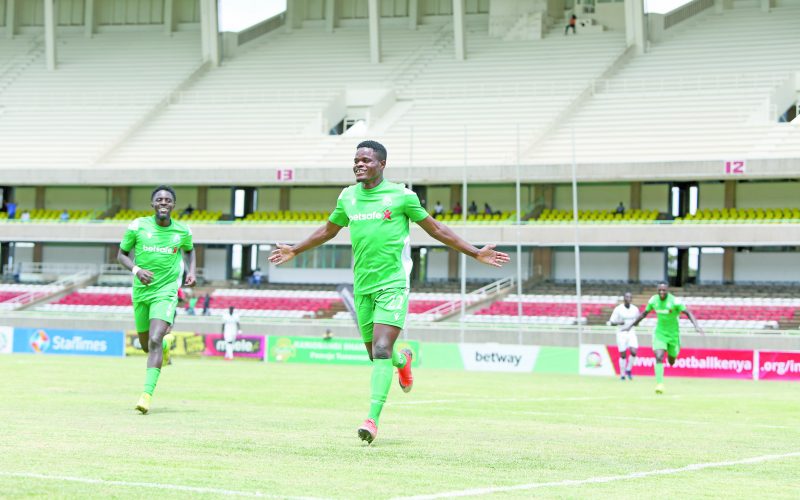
<point>176,238</point>
<point>149,235</point>
<point>387,200</point>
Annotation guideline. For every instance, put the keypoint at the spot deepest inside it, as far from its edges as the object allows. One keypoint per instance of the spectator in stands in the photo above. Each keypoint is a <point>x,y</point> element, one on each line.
<point>4,206</point>
<point>328,336</point>
<point>11,208</point>
<point>438,209</point>
<point>206,304</point>
<point>255,278</point>
<point>473,208</point>
<point>25,217</point>
<point>64,215</point>
<point>487,209</point>
<point>457,210</point>
<point>230,329</point>
<point>187,211</point>
<point>621,209</point>
<point>380,273</point>
<point>571,24</point>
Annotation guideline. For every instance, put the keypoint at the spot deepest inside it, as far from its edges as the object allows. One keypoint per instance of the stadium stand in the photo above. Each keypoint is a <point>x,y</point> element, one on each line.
<point>270,101</point>
<point>700,94</point>
<point>104,85</point>
<point>197,216</point>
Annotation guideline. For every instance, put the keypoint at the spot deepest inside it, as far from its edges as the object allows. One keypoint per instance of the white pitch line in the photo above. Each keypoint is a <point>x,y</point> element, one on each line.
<point>160,486</point>
<point>600,479</point>
<point>497,400</point>
<point>647,419</point>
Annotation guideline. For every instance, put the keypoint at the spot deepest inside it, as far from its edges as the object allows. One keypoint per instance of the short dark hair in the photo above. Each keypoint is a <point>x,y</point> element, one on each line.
<point>375,146</point>
<point>164,188</point>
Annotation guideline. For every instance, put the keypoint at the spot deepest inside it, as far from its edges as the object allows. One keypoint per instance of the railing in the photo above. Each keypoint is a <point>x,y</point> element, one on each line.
<point>59,286</point>
<point>483,293</point>
<point>657,24</point>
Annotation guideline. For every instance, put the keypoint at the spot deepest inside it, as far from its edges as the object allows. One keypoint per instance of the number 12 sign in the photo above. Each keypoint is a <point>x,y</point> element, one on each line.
<point>735,167</point>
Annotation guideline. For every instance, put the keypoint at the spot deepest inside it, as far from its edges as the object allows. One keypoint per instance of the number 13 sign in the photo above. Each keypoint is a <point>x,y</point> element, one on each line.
<point>285,175</point>
<point>735,167</point>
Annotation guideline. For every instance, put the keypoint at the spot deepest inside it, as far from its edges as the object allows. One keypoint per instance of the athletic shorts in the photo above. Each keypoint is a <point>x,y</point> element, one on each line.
<point>627,340</point>
<point>229,337</point>
<point>671,345</point>
<point>162,308</point>
<point>387,307</point>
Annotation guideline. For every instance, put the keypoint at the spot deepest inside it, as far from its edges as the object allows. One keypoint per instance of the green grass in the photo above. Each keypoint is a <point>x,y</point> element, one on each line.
<point>290,430</point>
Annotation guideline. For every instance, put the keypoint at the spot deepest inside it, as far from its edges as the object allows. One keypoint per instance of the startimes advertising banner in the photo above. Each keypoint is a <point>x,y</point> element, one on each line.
<point>69,342</point>
<point>335,351</point>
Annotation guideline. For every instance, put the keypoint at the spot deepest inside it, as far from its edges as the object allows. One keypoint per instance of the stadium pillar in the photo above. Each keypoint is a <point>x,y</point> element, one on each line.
<point>634,25</point>
<point>766,5</point>
<point>38,252</point>
<point>458,29</point>
<point>5,255</point>
<point>202,198</point>
<point>169,17</point>
<point>209,31</point>
<point>330,15</point>
<point>374,31</point>
<point>730,194</point>
<point>542,264</point>
<point>452,264</point>
<point>636,195</point>
<point>38,199</point>
<point>88,18</point>
<point>728,257</point>
<point>413,14</point>
<point>284,198</point>
<point>634,254</point>
<point>11,21</point>
<point>50,34</point>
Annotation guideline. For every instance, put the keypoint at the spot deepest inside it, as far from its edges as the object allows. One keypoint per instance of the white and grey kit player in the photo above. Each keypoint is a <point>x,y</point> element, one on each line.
<point>624,315</point>
<point>230,329</point>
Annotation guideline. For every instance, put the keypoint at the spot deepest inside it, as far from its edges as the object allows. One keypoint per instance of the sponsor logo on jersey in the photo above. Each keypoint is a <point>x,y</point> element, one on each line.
<point>155,249</point>
<point>372,216</point>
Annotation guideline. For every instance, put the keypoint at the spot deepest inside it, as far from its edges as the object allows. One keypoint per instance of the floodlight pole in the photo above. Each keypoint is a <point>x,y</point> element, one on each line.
<point>519,252</point>
<point>577,242</point>
<point>463,261</point>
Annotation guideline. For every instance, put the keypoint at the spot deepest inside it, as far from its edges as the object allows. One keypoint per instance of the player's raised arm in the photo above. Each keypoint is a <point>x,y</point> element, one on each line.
<point>284,253</point>
<point>486,255</point>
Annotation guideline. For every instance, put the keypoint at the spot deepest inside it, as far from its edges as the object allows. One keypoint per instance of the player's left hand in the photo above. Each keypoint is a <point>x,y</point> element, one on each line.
<point>190,280</point>
<point>488,255</point>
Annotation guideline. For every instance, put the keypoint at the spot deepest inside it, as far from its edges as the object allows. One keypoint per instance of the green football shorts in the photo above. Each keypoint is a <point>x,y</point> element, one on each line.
<point>387,307</point>
<point>671,345</point>
<point>162,308</point>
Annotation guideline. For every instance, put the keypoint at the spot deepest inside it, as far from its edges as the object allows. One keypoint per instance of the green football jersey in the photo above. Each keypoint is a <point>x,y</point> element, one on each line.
<point>378,220</point>
<point>157,249</point>
<point>668,311</point>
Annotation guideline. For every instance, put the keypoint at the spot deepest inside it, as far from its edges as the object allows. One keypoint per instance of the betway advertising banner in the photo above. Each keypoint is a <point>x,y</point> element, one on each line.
<point>70,342</point>
<point>334,351</point>
<point>246,346</point>
<point>773,365</point>
<point>498,357</point>
<point>704,363</point>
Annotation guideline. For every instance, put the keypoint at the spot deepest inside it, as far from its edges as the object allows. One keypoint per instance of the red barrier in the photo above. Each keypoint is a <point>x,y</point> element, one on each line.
<point>774,365</point>
<point>705,363</point>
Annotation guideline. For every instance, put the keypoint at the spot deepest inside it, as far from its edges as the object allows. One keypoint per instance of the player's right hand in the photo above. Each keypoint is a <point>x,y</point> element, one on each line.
<point>145,276</point>
<point>283,253</point>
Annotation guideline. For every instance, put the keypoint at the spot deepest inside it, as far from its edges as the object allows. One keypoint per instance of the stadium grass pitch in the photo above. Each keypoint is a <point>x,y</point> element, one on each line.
<point>68,429</point>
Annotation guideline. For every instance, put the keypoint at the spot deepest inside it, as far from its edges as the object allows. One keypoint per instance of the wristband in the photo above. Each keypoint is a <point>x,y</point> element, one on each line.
<point>135,270</point>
